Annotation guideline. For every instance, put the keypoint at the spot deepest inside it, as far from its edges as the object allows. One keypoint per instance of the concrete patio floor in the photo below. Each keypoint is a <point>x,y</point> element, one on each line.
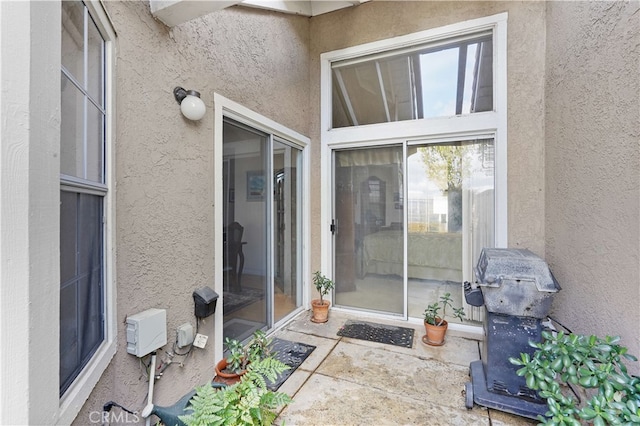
<point>348,381</point>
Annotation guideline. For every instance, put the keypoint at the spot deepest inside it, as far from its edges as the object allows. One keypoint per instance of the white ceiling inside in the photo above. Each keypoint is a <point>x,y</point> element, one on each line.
<point>176,12</point>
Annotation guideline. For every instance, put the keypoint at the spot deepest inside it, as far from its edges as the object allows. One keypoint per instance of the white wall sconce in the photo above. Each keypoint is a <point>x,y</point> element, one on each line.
<point>191,105</point>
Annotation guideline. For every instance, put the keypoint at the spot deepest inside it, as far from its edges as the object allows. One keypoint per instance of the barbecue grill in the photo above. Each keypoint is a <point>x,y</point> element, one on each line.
<point>516,288</point>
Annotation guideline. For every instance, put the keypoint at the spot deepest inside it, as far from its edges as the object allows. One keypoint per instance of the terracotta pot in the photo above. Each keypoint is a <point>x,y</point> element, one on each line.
<point>320,310</point>
<point>435,333</point>
<point>225,377</point>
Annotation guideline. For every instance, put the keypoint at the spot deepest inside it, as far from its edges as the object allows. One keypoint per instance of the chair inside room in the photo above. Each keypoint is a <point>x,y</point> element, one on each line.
<point>233,258</point>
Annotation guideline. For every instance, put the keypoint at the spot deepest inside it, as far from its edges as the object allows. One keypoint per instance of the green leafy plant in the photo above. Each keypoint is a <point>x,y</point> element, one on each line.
<point>240,355</point>
<point>248,402</point>
<point>323,284</point>
<point>432,313</point>
<point>583,378</point>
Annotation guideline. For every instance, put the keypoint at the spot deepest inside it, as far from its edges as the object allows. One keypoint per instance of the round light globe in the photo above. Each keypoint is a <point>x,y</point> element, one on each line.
<point>193,107</point>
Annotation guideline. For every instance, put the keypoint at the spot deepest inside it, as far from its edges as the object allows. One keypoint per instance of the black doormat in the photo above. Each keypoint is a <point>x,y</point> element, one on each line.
<point>380,333</point>
<point>291,353</point>
<point>231,302</point>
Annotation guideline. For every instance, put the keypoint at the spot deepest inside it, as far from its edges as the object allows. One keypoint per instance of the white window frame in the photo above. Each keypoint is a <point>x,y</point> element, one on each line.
<point>76,395</point>
<point>224,107</point>
<point>443,128</point>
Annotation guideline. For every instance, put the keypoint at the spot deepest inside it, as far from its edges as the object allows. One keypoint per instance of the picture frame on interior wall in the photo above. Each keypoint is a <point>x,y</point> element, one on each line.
<point>255,186</point>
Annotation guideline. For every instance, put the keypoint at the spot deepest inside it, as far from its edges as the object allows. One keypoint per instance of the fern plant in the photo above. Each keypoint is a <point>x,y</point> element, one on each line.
<point>246,403</point>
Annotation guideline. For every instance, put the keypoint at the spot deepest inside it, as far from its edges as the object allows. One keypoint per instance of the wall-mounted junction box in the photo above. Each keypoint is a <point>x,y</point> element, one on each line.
<point>185,335</point>
<point>146,331</point>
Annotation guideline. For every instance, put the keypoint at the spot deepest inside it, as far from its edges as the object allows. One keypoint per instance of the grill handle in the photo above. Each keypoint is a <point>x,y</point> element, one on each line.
<point>473,294</point>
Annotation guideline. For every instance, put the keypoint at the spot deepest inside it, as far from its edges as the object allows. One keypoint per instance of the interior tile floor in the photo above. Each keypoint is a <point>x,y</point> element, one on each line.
<point>354,382</point>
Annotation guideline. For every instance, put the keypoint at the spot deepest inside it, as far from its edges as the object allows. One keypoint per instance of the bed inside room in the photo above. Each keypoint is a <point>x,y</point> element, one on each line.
<point>435,255</point>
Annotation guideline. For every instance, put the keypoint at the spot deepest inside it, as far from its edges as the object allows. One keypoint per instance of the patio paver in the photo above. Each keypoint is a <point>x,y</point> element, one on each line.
<point>352,382</point>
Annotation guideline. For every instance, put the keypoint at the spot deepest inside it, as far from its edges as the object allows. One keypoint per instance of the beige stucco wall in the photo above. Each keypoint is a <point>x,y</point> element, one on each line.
<point>593,166</point>
<point>379,20</point>
<point>269,62</point>
<point>261,60</point>
<point>165,165</point>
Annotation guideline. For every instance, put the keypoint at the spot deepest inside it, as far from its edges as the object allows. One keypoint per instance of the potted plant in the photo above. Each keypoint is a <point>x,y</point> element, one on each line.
<point>239,356</point>
<point>247,402</point>
<point>583,379</point>
<point>320,307</point>
<point>435,324</point>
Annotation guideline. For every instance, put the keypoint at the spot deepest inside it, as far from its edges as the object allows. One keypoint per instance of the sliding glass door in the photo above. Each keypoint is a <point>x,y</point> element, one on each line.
<point>261,225</point>
<point>246,255</point>
<point>368,226</point>
<point>446,200</point>
<point>450,218</point>
<point>287,225</point>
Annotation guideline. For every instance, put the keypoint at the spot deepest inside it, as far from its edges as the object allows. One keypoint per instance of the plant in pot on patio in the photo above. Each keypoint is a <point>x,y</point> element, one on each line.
<point>583,380</point>
<point>247,402</point>
<point>230,369</point>
<point>320,307</point>
<point>435,324</point>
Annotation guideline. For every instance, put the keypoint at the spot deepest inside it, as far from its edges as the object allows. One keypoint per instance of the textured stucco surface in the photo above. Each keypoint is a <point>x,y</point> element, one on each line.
<point>593,166</point>
<point>261,60</point>
<point>570,198</point>
<point>165,165</point>
<point>379,20</point>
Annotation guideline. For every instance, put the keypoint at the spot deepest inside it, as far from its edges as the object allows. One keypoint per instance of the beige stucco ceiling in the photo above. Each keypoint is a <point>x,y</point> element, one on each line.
<point>176,12</point>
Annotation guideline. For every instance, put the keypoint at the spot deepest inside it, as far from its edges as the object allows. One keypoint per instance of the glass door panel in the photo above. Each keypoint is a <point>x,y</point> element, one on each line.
<point>368,239</point>
<point>286,221</point>
<point>246,224</point>
<point>450,211</point>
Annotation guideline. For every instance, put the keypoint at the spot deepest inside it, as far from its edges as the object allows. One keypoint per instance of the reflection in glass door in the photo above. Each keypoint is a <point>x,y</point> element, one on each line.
<point>368,222</point>
<point>450,217</point>
<point>447,202</point>
<point>261,228</point>
<point>287,223</point>
<point>245,232</point>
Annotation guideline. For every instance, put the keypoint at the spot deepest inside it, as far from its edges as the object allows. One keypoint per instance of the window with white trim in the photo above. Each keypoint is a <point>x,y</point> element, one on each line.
<point>441,89</point>
<point>84,190</point>
<point>435,79</point>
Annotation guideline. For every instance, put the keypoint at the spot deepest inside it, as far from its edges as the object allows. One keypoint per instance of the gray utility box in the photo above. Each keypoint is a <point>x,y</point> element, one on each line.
<point>515,282</point>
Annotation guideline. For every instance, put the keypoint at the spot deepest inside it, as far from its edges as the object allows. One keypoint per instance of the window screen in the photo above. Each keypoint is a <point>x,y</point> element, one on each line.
<point>81,286</point>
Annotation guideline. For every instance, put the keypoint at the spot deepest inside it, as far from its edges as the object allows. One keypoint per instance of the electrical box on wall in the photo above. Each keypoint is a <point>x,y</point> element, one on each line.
<point>205,302</point>
<point>185,335</point>
<point>146,331</point>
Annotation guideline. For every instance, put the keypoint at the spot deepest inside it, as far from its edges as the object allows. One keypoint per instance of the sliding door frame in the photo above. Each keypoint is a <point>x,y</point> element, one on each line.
<point>226,108</point>
<point>442,128</point>
<point>338,307</point>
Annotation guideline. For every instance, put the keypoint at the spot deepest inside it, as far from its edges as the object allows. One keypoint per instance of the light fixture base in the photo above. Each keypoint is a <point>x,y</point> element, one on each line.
<point>179,93</point>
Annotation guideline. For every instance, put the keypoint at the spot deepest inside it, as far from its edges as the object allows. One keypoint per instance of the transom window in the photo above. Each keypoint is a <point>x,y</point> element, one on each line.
<point>450,77</point>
